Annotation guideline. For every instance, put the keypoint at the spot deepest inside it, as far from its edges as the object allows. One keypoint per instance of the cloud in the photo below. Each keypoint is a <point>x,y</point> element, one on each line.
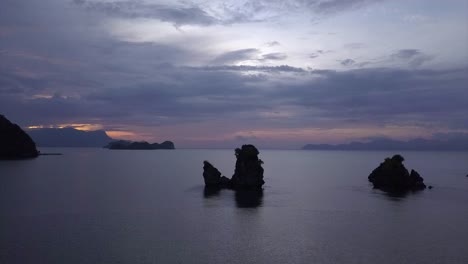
<point>416,18</point>
<point>354,46</point>
<point>319,53</point>
<point>218,12</point>
<point>245,138</point>
<point>313,56</point>
<point>79,72</point>
<point>235,56</point>
<point>247,55</point>
<point>182,94</point>
<point>387,96</point>
<point>348,62</point>
<point>274,56</point>
<point>406,53</point>
<point>314,6</point>
<point>334,6</point>
<point>413,57</point>
<point>272,44</point>
<point>178,15</point>
<point>247,68</point>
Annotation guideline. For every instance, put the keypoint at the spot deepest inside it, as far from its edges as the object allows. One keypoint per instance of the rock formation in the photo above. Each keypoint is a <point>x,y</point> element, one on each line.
<point>213,177</point>
<point>14,142</point>
<point>392,176</point>
<point>248,173</point>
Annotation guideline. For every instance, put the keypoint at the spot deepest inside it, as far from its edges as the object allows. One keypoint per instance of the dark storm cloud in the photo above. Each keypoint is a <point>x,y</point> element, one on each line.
<point>179,15</point>
<point>413,57</point>
<point>235,56</point>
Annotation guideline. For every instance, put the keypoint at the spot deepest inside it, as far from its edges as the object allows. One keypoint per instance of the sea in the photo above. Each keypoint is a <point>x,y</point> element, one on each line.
<point>93,205</point>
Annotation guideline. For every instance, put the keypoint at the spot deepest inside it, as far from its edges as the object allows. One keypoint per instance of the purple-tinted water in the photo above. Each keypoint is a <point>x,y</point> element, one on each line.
<point>103,206</point>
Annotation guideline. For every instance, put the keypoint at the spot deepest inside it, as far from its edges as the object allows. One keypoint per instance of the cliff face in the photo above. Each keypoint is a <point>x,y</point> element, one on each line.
<point>14,142</point>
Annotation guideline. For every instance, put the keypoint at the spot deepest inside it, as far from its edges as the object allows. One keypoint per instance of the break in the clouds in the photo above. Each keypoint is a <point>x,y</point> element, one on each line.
<point>218,73</point>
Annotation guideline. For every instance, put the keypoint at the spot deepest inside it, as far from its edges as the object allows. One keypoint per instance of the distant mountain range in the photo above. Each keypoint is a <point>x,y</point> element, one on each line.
<point>69,137</point>
<point>451,144</point>
<point>125,144</point>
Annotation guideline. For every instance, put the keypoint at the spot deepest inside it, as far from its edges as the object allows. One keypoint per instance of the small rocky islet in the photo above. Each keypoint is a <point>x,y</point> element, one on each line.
<point>392,176</point>
<point>14,142</point>
<point>248,173</point>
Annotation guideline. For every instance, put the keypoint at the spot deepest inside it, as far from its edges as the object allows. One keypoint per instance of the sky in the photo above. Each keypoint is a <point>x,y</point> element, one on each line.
<point>278,74</point>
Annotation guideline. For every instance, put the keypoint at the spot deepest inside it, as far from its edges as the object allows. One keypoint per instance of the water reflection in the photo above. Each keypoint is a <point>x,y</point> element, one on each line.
<point>209,192</point>
<point>249,198</point>
<point>396,195</point>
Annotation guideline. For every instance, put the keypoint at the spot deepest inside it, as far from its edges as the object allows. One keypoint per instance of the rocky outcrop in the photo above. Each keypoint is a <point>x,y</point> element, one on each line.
<point>248,173</point>
<point>211,174</point>
<point>14,142</point>
<point>392,176</point>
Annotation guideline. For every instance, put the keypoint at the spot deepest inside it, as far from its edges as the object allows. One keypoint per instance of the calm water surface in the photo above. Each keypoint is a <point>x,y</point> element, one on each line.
<point>104,206</point>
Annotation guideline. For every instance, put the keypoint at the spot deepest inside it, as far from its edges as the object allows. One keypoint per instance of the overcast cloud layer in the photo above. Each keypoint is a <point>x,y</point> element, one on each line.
<point>217,74</point>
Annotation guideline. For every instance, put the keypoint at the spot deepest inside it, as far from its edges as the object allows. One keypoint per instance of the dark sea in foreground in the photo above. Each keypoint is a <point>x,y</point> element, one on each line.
<point>117,206</point>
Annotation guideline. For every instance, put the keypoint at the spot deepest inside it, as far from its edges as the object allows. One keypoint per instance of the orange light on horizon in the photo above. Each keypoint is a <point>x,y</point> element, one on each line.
<point>122,135</point>
<point>82,127</point>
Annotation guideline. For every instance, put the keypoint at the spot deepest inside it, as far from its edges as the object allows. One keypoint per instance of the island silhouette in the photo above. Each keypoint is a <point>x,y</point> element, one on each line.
<point>131,145</point>
<point>392,176</point>
<point>14,142</point>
